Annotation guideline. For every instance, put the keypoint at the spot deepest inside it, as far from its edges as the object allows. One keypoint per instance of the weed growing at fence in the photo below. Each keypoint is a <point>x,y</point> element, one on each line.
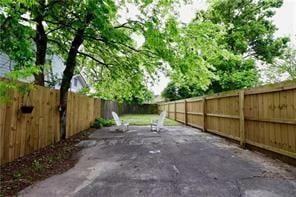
<point>102,122</point>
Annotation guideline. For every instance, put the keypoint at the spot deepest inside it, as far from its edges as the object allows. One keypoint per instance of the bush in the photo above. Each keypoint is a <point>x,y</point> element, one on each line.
<point>102,122</point>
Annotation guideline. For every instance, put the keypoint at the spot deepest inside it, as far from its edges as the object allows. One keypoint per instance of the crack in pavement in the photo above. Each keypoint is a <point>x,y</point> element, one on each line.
<point>185,165</point>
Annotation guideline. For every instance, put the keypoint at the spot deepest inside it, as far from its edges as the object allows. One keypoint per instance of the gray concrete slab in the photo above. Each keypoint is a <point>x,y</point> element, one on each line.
<point>179,161</point>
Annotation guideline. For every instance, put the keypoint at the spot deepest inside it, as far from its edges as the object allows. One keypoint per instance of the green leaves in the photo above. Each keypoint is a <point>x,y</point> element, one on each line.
<point>125,87</point>
<point>11,82</point>
<point>22,73</point>
<point>217,51</point>
<point>283,67</point>
<point>249,26</point>
<point>16,40</point>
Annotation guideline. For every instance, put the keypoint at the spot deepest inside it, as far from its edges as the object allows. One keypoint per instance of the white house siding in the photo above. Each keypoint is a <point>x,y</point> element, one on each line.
<point>57,63</point>
<point>58,67</point>
<point>76,86</point>
<point>5,64</point>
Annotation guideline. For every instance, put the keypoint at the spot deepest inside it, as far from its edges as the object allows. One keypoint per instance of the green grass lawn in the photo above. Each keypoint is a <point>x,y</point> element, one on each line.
<point>145,119</point>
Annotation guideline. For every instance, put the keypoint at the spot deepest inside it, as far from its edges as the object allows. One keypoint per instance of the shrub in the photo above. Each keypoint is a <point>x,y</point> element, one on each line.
<point>102,122</point>
<point>37,166</point>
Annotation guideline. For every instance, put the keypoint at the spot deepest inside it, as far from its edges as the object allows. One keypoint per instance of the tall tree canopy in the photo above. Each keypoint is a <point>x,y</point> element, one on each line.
<point>24,33</point>
<point>243,35</point>
<point>217,51</point>
<point>284,67</point>
<point>90,32</point>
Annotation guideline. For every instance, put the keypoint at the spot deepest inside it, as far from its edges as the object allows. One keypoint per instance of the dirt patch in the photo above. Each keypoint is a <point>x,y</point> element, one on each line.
<point>39,165</point>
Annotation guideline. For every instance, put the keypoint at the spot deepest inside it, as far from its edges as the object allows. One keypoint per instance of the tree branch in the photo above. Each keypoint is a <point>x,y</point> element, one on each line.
<point>94,59</point>
<point>146,52</point>
<point>61,45</point>
<point>54,29</point>
<point>51,3</point>
<point>123,26</point>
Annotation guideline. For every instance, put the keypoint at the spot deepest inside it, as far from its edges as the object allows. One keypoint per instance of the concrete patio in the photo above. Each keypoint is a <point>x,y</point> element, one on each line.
<point>180,161</point>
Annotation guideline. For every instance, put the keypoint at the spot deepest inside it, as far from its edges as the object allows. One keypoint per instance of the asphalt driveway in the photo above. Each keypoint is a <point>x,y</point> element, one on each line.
<point>180,161</point>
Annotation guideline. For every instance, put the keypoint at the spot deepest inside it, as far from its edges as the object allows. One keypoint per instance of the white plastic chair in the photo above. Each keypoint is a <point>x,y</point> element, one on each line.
<point>158,124</point>
<point>120,124</point>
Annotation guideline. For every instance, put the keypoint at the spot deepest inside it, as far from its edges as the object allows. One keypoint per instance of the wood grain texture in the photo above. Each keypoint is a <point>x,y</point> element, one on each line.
<point>242,119</point>
<point>21,133</point>
<point>263,116</point>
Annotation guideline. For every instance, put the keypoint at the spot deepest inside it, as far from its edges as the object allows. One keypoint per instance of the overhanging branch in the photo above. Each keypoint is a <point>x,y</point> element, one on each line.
<point>145,51</point>
<point>94,59</point>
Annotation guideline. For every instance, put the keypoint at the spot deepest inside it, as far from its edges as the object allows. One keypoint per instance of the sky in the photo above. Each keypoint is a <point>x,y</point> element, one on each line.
<point>284,19</point>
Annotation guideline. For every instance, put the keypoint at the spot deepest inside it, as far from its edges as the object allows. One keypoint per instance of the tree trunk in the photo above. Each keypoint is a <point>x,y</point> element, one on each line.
<point>66,80</point>
<point>41,44</point>
<point>69,71</point>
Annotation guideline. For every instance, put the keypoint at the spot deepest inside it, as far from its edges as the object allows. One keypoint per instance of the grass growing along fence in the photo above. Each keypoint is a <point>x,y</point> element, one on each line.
<point>145,119</point>
<point>264,117</point>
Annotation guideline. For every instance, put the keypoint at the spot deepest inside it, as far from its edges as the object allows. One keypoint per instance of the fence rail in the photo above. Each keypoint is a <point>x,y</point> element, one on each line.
<point>21,133</point>
<point>264,117</point>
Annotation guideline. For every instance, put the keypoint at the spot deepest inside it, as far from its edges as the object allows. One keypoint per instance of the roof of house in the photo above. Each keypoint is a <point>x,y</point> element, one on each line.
<point>81,79</point>
<point>58,65</point>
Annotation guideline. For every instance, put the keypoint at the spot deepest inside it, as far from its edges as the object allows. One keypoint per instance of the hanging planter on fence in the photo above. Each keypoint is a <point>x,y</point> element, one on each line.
<point>26,107</point>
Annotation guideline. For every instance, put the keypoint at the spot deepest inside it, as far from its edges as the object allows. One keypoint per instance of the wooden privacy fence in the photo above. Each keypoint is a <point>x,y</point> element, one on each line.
<point>108,107</point>
<point>81,112</point>
<point>125,108</point>
<point>138,108</point>
<point>264,117</point>
<point>21,133</point>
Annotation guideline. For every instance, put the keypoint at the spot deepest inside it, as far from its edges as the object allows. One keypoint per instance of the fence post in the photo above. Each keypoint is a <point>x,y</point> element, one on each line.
<point>185,103</point>
<point>242,119</point>
<point>170,110</point>
<point>204,114</point>
<point>175,110</point>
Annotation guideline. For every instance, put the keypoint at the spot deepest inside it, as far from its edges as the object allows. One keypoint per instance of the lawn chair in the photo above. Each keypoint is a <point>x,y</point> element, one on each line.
<point>158,124</point>
<point>120,124</point>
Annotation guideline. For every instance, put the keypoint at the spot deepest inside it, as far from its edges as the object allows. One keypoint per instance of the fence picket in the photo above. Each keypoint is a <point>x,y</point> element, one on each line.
<point>21,134</point>
<point>264,117</point>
